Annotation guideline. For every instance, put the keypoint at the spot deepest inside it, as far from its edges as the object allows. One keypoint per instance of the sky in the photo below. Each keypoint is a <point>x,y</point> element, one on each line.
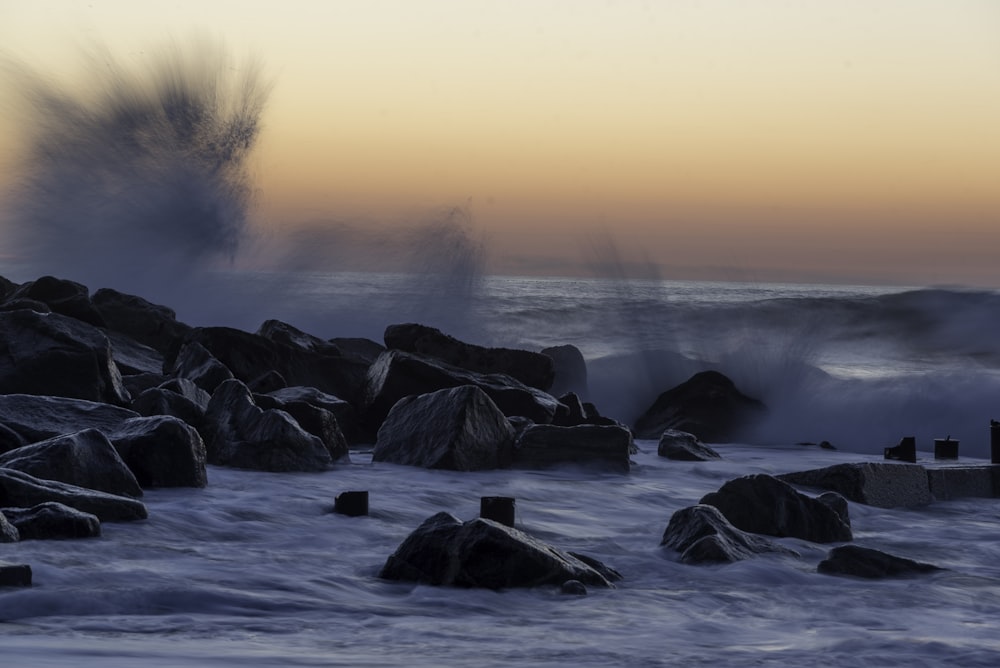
<point>807,140</point>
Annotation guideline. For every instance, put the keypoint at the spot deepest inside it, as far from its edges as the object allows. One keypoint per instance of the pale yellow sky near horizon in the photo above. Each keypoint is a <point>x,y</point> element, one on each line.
<point>852,141</point>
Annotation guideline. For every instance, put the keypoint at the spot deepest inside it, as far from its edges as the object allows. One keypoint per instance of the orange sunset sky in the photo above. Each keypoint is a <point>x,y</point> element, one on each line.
<point>851,141</point>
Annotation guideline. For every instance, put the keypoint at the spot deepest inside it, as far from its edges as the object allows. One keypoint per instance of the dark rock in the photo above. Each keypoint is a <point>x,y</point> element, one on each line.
<point>159,401</point>
<point>871,483</point>
<point>838,504</point>
<point>64,297</point>
<point>865,562</point>
<point>150,324</point>
<point>548,445</point>
<point>20,490</point>
<point>570,369</point>
<point>84,458</point>
<point>15,575</point>
<point>37,418</point>
<point>683,446</point>
<point>8,532</point>
<point>763,504</point>
<point>53,521</point>
<point>352,504</point>
<point>482,553</point>
<point>364,349</point>
<point>269,382</point>
<point>28,304</point>
<point>573,588</point>
<point>7,288</point>
<point>132,357</point>
<point>10,439</point>
<point>347,416</point>
<point>533,369</point>
<point>460,429</point>
<point>189,390</point>
<point>242,435</point>
<point>575,413</point>
<point>54,355</point>
<point>707,405</point>
<point>283,333</point>
<point>703,535</point>
<point>138,383</point>
<point>315,420</point>
<point>161,451</point>
<point>198,365</point>
<point>397,374</point>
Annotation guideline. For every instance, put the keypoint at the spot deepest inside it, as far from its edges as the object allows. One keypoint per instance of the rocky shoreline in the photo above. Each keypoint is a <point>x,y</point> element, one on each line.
<point>104,395</point>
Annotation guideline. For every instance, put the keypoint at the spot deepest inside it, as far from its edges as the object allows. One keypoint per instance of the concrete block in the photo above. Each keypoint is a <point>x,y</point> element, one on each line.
<point>953,482</point>
<point>884,485</point>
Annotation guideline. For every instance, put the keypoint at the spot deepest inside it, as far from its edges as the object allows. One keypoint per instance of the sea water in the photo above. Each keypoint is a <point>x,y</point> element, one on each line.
<point>255,571</point>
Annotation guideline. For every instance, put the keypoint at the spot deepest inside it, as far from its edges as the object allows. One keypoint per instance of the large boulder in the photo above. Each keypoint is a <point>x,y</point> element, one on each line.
<point>242,435</point>
<point>683,446</point>
<point>865,562</point>
<point>65,297</point>
<point>53,521</point>
<point>347,416</point>
<point>570,370</point>
<point>397,374</point>
<point>37,418</point>
<point>483,553</point>
<point>8,532</point>
<point>703,535</point>
<point>283,333</point>
<point>162,401</point>
<point>533,369</point>
<point>132,357</point>
<point>150,324</point>
<point>364,349</point>
<point>540,446</point>
<point>21,490</point>
<point>195,363</point>
<point>317,421</point>
<point>707,405</point>
<point>85,459</point>
<point>459,429</point>
<point>884,485</point>
<point>161,451</point>
<point>761,503</point>
<point>54,355</point>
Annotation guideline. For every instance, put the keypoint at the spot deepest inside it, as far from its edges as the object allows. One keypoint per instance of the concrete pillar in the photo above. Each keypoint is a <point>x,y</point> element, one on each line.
<point>497,508</point>
<point>352,504</point>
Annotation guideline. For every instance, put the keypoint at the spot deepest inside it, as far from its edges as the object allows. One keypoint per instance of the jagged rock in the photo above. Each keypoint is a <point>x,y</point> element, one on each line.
<point>482,553</point>
<point>150,324</point>
<point>21,490</point>
<point>53,521</point>
<point>533,369</point>
<point>37,418</point>
<point>347,416</point>
<point>460,429</point>
<point>364,349</point>
<point>84,458</point>
<point>249,356</point>
<point>179,398</point>
<point>242,435</point>
<point>54,355</point>
<point>282,332</point>
<point>397,374</point>
<point>575,413</point>
<point>570,370</point>
<point>763,504</point>
<point>683,446</point>
<point>8,532</point>
<point>198,365</point>
<point>864,562</point>
<point>161,451</point>
<point>138,383</point>
<point>877,484</point>
<point>317,421</point>
<point>15,575</point>
<point>64,297</point>
<point>7,288</point>
<point>132,357</point>
<point>837,503</point>
<point>269,382</point>
<point>703,535</point>
<point>707,405</point>
<point>10,439</point>
<point>548,445</point>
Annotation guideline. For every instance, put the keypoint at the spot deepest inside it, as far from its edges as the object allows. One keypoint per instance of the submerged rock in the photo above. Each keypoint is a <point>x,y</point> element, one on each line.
<point>481,553</point>
<point>703,535</point>
<point>65,297</point>
<point>864,562</point>
<point>763,504</point>
<point>683,446</point>
<point>53,521</point>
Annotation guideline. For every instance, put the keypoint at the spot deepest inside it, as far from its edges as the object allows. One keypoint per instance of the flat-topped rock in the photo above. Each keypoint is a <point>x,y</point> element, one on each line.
<point>37,418</point>
<point>20,490</point>
<point>880,484</point>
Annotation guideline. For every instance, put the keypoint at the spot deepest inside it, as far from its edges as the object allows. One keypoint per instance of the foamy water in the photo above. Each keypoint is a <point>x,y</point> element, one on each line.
<point>253,570</point>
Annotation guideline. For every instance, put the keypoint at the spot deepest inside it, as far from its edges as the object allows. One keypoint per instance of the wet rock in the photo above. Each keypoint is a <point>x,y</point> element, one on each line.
<point>84,458</point>
<point>573,588</point>
<point>317,421</point>
<point>132,357</point>
<point>15,575</point>
<point>150,324</point>
<point>364,349</point>
<point>707,405</point>
<point>161,451</point>
<point>398,374</point>
<point>10,439</point>
<point>540,446</point>
<point>195,363</point>
<point>282,332</point>
<point>36,418</point>
<point>164,402</point>
<point>138,383</point>
<point>533,369</point>
<point>683,446</point>
<point>570,369</point>
<point>460,429</point>
<point>864,562</point>
<point>242,435</point>
<point>53,521</point>
<point>21,490</point>
<point>482,553</point>
<point>763,504</point>
<point>8,532</point>
<point>54,355</point>
<point>703,535</point>
<point>269,382</point>
<point>346,414</point>
<point>879,484</point>
<point>65,297</point>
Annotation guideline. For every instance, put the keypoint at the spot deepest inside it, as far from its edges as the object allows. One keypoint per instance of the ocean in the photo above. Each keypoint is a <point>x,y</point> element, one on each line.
<point>255,571</point>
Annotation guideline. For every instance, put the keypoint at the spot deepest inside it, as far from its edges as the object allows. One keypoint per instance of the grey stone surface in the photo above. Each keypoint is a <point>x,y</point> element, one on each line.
<point>955,482</point>
<point>884,485</point>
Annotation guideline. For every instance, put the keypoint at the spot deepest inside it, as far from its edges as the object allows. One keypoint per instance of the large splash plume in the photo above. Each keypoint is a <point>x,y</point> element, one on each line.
<point>136,177</point>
